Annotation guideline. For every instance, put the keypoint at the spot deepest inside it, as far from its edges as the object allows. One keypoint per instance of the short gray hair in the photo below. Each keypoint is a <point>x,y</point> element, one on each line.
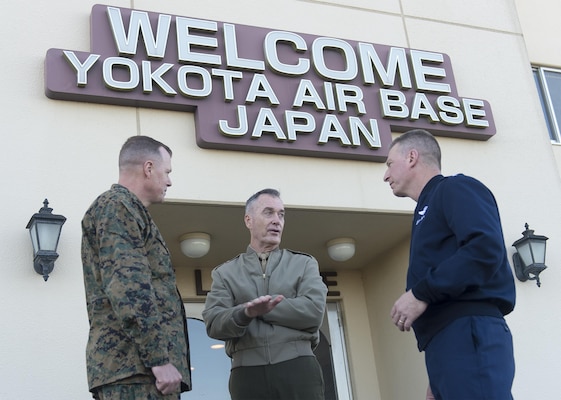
<point>251,200</point>
<point>422,141</point>
<point>138,149</point>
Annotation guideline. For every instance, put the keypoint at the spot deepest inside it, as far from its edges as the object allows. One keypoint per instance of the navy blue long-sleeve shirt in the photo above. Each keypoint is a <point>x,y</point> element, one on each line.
<point>458,262</point>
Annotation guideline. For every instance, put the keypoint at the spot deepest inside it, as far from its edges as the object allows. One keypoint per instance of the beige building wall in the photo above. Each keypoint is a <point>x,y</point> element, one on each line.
<point>401,368</point>
<point>67,152</point>
<point>540,24</point>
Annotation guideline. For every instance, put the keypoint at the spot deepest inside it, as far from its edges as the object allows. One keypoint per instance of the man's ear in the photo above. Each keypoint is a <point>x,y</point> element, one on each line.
<point>412,157</point>
<point>247,220</point>
<point>147,168</point>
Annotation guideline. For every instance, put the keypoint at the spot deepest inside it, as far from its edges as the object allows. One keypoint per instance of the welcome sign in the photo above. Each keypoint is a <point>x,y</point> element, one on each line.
<point>263,90</point>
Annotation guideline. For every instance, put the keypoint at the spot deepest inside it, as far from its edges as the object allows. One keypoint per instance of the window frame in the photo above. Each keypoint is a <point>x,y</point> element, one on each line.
<point>339,351</point>
<point>553,125</point>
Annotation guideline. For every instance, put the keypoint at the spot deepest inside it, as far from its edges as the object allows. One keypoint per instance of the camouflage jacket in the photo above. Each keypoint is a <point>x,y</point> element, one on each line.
<point>136,314</point>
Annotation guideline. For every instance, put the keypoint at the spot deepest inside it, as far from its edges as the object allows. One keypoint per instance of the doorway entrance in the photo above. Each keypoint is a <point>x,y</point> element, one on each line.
<point>210,366</point>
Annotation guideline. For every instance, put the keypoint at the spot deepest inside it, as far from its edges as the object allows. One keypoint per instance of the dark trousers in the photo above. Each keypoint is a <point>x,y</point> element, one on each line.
<point>297,379</point>
<point>472,358</point>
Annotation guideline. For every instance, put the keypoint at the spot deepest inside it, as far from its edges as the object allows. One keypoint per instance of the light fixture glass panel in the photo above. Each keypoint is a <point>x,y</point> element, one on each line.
<point>33,233</point>
<point>538,247</point>
<point>525,253</point>
<point>47,235</point>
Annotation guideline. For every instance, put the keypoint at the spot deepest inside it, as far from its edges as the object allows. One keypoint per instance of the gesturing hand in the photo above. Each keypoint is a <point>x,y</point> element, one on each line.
<point>262,305</point>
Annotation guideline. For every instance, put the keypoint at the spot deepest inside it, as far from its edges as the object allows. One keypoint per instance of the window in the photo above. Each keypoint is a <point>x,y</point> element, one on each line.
<point>337,383</point>
<point>210,366</point>
<point>548,82</point>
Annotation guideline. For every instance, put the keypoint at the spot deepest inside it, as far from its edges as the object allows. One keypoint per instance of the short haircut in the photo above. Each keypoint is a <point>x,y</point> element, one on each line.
<point>251,200</point>
<point>422,141</point>
<point>138,149</point>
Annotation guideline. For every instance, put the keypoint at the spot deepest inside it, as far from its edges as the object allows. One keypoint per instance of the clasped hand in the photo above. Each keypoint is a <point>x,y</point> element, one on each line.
<point>168,378</point>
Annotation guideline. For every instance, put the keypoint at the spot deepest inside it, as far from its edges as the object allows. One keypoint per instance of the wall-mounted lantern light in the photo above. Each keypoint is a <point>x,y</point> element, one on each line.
<point>44,228</point>
<point>529,258</point>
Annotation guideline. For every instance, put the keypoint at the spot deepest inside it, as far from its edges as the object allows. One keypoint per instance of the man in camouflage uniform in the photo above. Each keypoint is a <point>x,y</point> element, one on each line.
<point>138,344</point>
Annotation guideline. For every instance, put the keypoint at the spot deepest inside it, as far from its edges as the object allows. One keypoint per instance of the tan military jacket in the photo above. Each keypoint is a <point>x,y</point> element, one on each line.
<point>290,330</point>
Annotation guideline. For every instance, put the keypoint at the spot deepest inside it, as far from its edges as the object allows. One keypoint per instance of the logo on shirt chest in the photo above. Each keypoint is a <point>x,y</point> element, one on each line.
<point>422,214</point>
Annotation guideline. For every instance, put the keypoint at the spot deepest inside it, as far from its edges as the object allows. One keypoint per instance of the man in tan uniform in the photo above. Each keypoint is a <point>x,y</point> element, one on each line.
<point>267,304</point>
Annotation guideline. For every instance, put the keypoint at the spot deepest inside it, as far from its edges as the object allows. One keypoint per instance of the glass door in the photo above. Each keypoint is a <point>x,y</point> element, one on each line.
<point>210,366</point>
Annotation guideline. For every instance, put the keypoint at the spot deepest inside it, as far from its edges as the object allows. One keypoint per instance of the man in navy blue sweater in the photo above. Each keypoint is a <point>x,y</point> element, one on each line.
<point>459,282</point>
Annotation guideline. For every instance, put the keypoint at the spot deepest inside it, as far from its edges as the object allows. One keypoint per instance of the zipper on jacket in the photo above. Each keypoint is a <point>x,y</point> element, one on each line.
<point>263,257</point>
